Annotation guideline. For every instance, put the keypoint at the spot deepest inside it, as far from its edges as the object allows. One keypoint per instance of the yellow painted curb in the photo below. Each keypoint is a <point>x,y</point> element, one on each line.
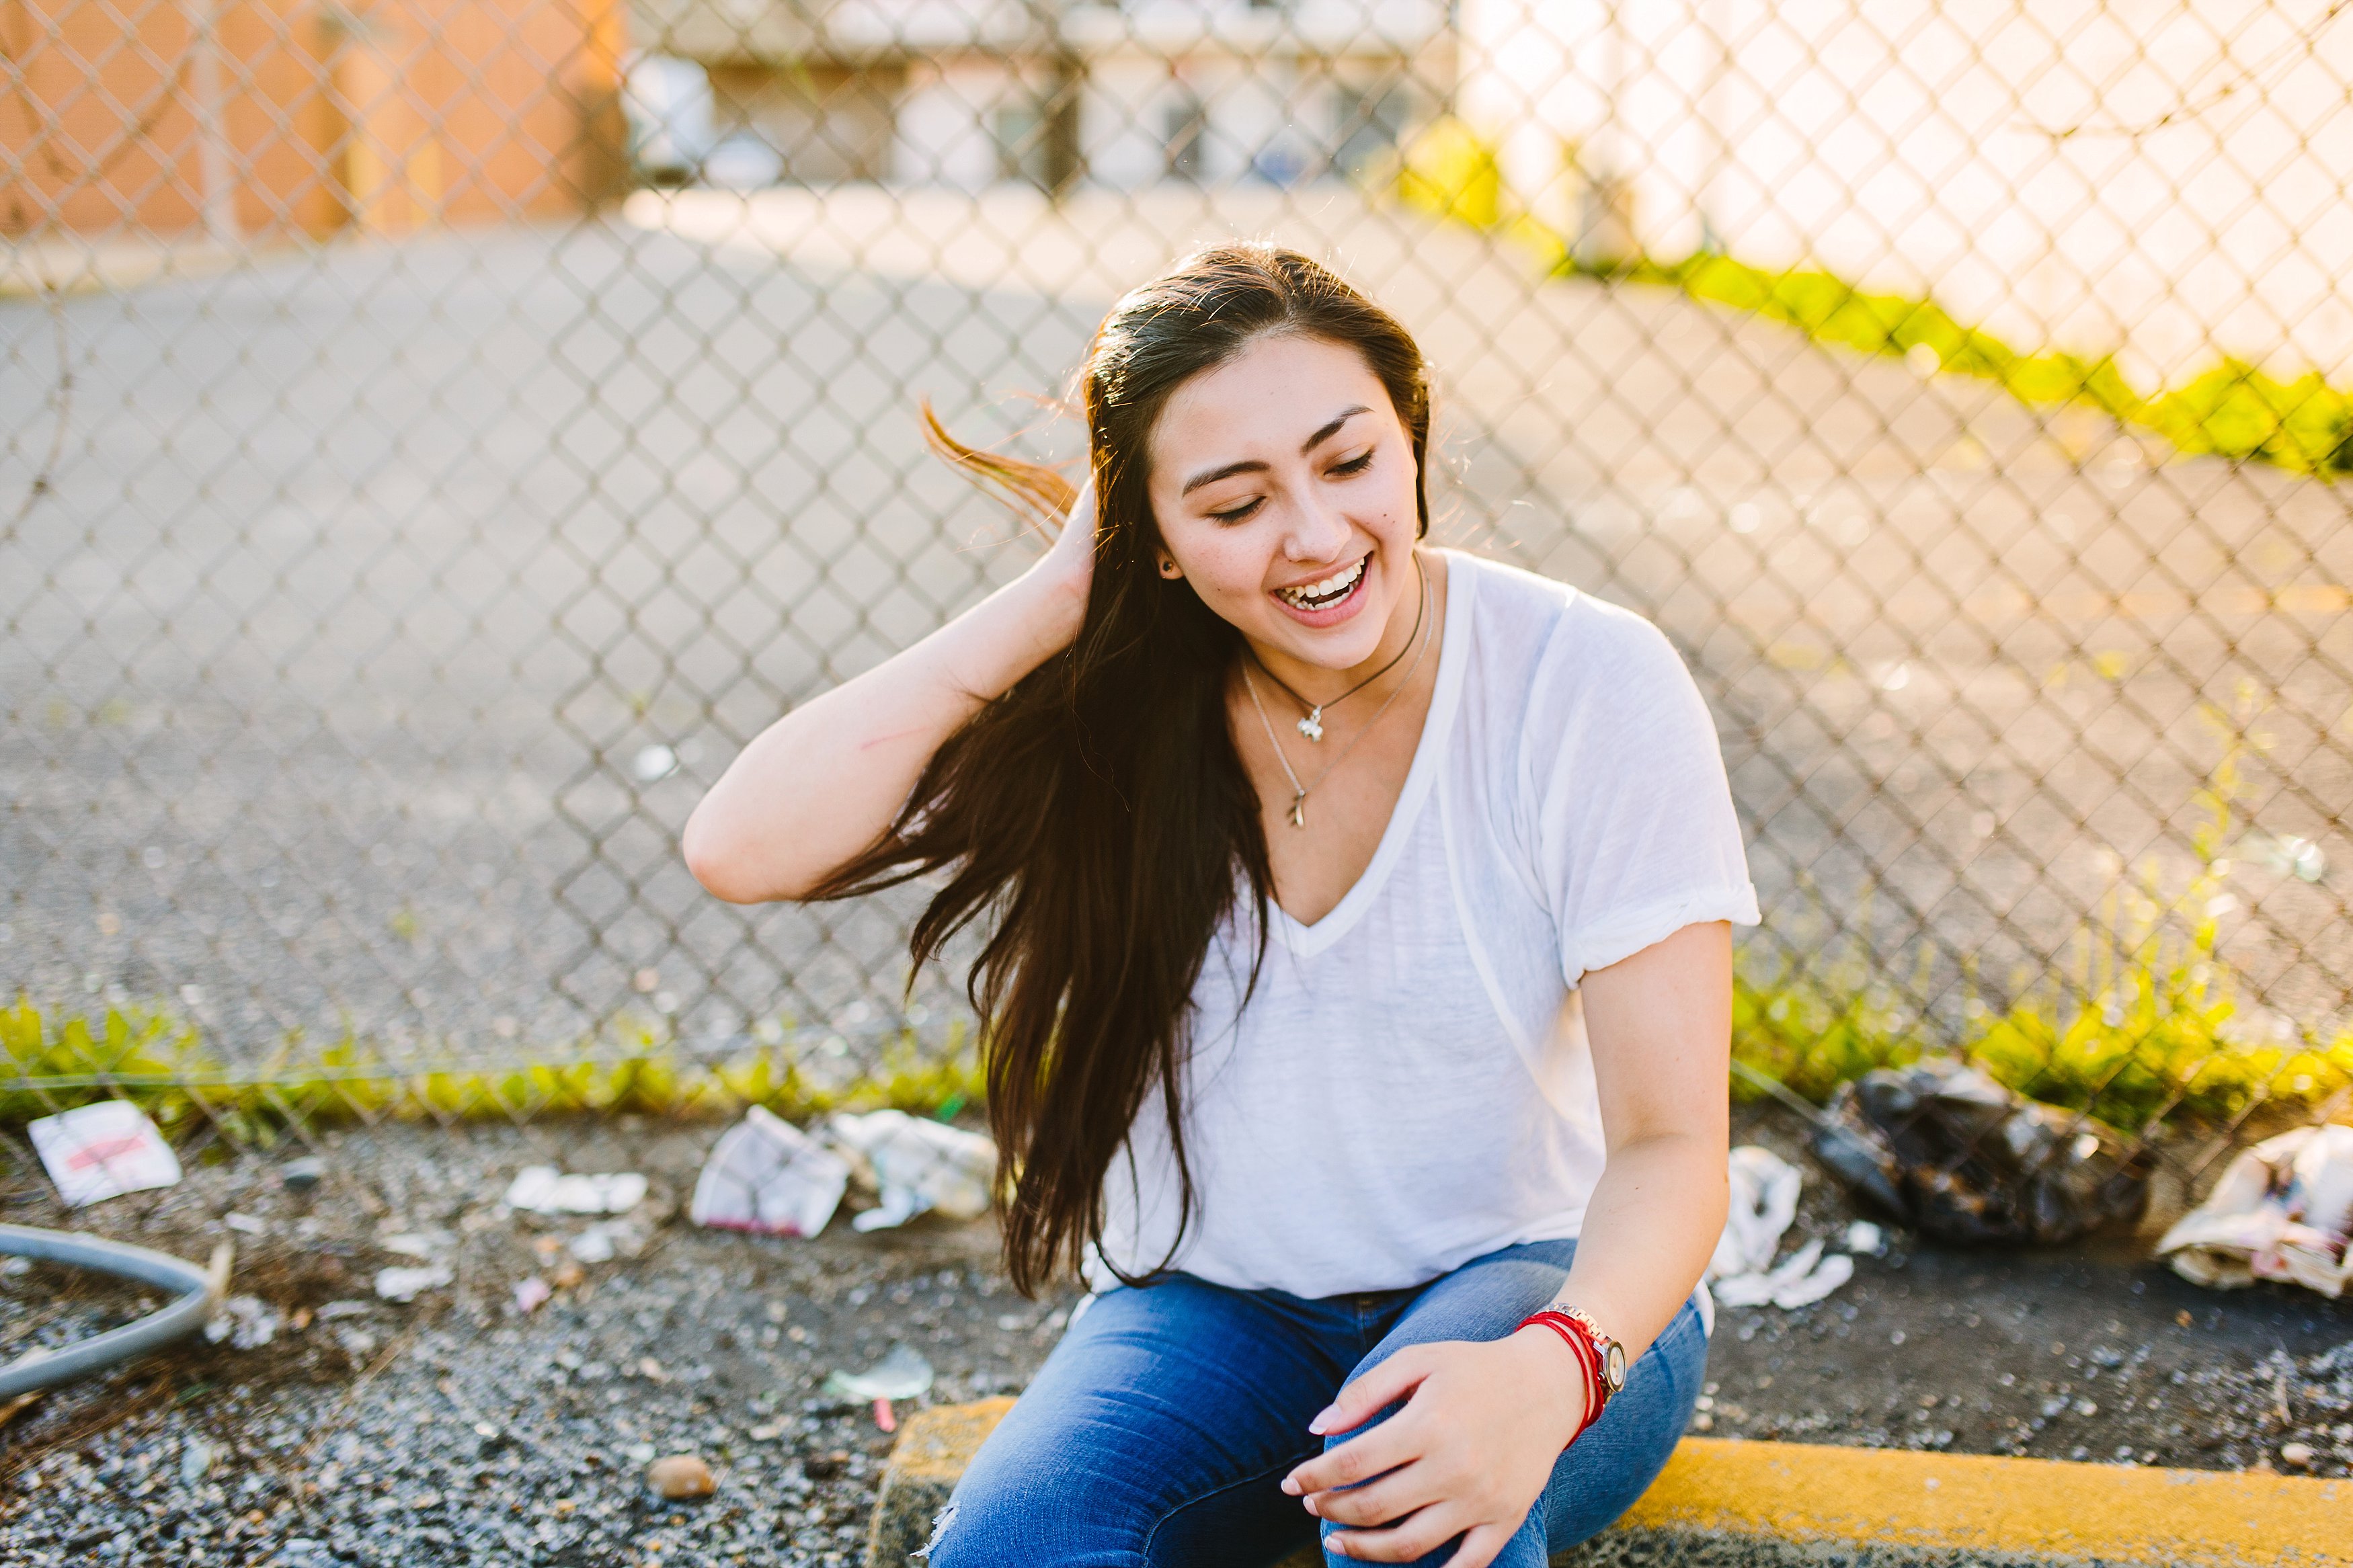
<point>1814,1492</point>
<point>1811,1494</point>
<point>935,1445</point>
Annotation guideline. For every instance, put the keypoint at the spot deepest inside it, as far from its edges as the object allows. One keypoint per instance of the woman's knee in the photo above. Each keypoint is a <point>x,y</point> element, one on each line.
<point>1035,1519</point>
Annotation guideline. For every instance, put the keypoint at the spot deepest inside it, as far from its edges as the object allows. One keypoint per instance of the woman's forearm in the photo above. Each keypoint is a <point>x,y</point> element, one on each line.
<point>1650,1228</point>
<point>1660,1027</point>
<point>823,782</point>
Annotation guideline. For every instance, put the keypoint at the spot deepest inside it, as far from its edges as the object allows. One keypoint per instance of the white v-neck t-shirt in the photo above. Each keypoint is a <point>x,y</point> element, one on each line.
<point>1408,1086</point>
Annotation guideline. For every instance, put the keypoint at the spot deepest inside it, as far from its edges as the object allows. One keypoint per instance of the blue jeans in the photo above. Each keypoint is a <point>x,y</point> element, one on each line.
<point>1157,1434</point>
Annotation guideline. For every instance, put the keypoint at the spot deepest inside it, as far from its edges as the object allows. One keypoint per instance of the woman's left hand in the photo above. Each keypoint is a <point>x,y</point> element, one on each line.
<point>1469,1454</point>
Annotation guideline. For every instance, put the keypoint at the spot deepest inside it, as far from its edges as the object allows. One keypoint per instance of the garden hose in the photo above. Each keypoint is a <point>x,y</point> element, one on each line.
<point>191,1304</point>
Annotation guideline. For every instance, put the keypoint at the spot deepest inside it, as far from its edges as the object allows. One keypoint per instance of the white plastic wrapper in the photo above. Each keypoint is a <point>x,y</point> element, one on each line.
<point>766,1175</point>
<point>918,1165</point>
<point>1764,1201</point>
<point>407,1284</point>
<point>902,1374</point>
<point>2283,1210</point>
<point>541,1189</point>
<point>102,1150</point>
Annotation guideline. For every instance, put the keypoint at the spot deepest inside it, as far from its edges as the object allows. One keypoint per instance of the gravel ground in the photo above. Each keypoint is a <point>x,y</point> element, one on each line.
<point>460,1429</point>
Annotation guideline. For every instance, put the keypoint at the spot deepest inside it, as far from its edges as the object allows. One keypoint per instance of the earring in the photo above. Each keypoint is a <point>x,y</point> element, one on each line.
<point>1170,569</point>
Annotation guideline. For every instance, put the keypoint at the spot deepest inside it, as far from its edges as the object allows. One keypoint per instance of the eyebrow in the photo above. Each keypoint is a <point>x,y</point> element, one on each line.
<point>1252,466</point>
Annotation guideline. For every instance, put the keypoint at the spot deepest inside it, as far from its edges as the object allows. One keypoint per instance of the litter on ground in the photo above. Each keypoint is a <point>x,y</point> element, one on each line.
<point>902,1374</point>
<point>101,1151</point>
<point>246,1322</point>
<point>1764,1203</point>
<point>767,1176</point>
<point>541,1189</point>
<point>917,1165</point>
<point>407,1284</point>
<point>1942,1147</point>
<point>2282,1210</point>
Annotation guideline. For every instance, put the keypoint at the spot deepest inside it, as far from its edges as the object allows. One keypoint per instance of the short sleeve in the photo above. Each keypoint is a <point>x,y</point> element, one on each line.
<point>1635,833</point>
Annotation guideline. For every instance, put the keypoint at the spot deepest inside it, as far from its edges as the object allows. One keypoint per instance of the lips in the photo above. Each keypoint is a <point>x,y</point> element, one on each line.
<point>1330,591</point>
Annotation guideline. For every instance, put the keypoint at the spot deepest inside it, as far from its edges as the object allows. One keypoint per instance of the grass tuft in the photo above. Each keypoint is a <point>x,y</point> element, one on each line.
<point>162,1062</point>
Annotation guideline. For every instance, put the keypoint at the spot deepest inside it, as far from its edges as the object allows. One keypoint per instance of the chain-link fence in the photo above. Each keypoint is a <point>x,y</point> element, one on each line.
<point>438,433</point>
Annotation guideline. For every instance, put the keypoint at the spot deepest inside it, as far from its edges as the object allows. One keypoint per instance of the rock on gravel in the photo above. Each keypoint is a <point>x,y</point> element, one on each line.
<point>678,1475</point>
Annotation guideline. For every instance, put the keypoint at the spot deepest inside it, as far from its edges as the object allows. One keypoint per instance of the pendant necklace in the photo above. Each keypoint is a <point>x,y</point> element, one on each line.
<point>1312,725</point>
<point>1299,791</point>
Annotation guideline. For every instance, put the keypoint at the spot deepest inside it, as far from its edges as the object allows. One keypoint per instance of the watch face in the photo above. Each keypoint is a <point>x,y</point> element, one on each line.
<point>1616,1365</point>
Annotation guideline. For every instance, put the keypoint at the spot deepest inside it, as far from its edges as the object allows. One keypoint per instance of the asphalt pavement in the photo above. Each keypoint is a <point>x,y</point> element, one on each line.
<point>391,604</point>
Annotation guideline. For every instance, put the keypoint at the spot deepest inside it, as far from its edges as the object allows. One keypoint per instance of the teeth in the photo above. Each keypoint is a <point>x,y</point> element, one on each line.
<point>1336,584</point>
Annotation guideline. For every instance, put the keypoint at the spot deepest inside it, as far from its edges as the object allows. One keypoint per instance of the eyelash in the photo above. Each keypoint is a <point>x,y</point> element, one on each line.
<point>1347,471</point>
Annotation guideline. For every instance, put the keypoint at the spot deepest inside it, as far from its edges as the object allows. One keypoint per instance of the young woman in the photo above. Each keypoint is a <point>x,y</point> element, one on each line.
<point>1356,977</point>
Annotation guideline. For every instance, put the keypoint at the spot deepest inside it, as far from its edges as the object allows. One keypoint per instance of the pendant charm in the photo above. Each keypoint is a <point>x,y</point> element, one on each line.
<point>1299,809</point>
<point>1312,725</point>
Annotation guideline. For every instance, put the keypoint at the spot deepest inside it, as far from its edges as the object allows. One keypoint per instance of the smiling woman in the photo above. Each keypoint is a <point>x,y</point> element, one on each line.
<point>1389,1133</point>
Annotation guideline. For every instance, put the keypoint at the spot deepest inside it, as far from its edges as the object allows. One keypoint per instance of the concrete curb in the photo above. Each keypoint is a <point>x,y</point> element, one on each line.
<point>1726,1503</point>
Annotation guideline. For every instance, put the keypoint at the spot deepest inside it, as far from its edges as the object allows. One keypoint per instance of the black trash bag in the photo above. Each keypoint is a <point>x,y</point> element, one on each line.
<point>1944,1147</point>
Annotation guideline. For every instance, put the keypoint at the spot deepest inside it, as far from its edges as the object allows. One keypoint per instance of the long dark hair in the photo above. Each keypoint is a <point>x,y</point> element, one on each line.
<point>1097,817</point>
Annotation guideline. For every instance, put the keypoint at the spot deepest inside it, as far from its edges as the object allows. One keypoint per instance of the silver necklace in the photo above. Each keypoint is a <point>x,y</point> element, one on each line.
<point>1299,791</point>
<point>1311,723</point>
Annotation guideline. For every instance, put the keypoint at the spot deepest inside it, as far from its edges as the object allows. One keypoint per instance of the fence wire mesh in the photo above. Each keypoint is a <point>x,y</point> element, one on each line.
<point>438,433</point>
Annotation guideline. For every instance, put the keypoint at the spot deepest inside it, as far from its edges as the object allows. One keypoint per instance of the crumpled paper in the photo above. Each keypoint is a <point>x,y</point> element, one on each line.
<point>101,1151</point>
<point>2282,1210</point>
<point>247,1322</point>
<point>1764,1201</point>
<point>767,1177</point>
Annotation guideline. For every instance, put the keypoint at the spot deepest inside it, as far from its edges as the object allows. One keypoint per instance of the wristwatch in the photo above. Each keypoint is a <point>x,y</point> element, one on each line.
<point>1607,1350</point>
<point>1601,1359</point>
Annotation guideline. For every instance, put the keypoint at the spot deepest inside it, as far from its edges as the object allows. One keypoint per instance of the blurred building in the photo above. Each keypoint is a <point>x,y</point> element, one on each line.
<point>969,92</point>
<point>2164,182</point>
<point>236,120</point>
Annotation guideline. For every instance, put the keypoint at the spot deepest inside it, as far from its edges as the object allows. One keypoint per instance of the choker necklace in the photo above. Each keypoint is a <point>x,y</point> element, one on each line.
<point>1312,726</point>
<point>1299,791</point>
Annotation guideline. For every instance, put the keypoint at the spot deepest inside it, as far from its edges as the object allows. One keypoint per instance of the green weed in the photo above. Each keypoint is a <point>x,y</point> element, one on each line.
<point>50,1062</point>
<point>2140,1028</point>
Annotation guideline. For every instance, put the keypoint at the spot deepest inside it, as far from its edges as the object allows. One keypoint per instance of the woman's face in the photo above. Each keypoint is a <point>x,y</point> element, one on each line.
<point>1284,485</point>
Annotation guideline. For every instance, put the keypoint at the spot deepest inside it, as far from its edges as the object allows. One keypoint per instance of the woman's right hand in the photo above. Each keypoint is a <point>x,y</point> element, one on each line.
<point>821,784</point>
<point>1070,561</point>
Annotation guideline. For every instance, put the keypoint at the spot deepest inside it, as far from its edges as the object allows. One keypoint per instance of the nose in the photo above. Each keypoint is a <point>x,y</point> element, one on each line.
<point>1318,533</point>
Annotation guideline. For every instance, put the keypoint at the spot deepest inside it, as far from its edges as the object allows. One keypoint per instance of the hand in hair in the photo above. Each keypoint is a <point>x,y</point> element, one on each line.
<point>823,784</point>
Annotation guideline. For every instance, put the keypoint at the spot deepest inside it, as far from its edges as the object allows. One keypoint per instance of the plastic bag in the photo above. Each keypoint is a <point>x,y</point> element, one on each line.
<point>1944,1147</point>
<point>918,1165</point>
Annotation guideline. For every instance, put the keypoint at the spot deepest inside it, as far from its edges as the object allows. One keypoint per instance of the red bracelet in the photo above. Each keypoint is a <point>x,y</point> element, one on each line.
<point>1588,1361</point>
